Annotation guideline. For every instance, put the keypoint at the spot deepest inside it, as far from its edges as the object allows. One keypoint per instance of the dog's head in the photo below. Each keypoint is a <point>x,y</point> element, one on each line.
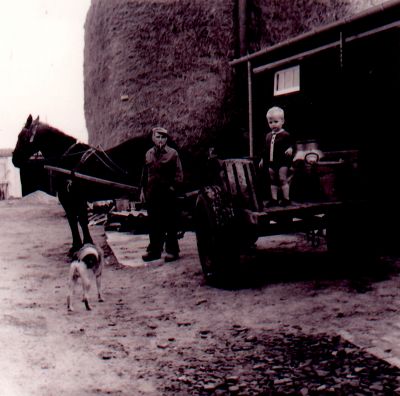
<point>89,254</point>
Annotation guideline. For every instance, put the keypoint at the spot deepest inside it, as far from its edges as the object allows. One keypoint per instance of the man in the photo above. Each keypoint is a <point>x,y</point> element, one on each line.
<point>162,175</point>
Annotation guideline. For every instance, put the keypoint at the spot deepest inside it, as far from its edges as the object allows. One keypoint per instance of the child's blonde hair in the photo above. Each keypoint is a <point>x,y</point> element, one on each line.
<point>276,110</point>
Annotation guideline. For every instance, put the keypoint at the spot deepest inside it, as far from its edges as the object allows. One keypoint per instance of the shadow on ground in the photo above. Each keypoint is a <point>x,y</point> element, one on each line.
<point>261,267</point>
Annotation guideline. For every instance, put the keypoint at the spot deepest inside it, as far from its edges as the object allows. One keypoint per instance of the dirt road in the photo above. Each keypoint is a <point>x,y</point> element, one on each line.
<point>162,331</point>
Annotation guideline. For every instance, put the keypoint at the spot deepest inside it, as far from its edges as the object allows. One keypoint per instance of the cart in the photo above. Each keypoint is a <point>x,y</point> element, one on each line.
<point>230,215</point>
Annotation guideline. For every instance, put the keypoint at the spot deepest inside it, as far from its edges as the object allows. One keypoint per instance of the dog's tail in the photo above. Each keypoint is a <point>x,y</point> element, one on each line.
<point>78,269</point>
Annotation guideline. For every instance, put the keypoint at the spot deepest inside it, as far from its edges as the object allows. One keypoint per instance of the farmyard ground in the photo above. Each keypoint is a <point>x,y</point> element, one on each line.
<point>163,331</point>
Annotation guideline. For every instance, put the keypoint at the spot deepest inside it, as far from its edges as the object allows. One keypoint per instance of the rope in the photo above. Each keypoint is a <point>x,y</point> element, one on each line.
<point>86,154</point>
<point>116,166</point>
<point>69,149</point>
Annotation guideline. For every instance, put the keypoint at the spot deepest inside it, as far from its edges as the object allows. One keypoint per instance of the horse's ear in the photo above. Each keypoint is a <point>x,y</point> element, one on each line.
<point>36,120</point>
<point>29,121</point>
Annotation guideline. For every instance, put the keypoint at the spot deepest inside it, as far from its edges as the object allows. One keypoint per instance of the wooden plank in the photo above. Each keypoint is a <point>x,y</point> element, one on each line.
<point>297,57</point>
<point>231,177</point>
<point>93,179</point>
<point>300,209</point>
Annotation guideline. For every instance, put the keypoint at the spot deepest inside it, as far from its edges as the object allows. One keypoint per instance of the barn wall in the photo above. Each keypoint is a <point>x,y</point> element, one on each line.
<point>10,184</point>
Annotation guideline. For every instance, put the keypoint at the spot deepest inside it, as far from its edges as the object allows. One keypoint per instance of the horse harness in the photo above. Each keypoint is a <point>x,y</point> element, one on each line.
<point>33,130</point>
<point>85,156</point>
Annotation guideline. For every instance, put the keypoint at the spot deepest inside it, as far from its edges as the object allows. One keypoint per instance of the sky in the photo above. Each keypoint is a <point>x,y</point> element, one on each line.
<point>41,66</point>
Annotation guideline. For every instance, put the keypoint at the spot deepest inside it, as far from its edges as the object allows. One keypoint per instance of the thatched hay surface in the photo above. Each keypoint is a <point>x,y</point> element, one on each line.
<point>165,62</point>
<point>273,21</point>
<point>151,63</point>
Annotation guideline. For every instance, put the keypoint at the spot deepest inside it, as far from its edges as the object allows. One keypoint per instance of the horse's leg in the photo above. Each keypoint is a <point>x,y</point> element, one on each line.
<point>72,199</point>
<point>76,237</point>
<point>73,225</point>
<point>84,222</point>
<point>70,208</point>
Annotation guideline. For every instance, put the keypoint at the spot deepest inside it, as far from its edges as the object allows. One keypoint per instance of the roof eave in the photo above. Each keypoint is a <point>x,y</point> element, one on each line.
<point>384,7</point>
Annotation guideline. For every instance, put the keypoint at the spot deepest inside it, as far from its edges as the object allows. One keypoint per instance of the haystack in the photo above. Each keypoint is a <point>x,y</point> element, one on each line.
<point>166,62</point>
<point>150,63</point>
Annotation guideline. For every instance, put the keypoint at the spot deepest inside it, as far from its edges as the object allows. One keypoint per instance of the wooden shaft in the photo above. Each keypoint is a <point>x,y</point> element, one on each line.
<point>93,179</point>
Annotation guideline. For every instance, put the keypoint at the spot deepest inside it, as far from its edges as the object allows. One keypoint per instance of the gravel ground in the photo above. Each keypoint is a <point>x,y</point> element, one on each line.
<point>163,331</point>
<point>252,363</point>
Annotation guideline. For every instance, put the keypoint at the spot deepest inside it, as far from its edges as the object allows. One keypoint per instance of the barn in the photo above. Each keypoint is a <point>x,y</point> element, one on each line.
<point>333,82</point>
<point>338,86</point>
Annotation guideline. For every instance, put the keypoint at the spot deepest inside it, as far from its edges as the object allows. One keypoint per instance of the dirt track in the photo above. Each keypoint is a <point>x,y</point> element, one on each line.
<point>162,331</point>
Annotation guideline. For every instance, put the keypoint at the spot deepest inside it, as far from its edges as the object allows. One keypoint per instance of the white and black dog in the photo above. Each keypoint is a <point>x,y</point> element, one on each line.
<point>88,261</point>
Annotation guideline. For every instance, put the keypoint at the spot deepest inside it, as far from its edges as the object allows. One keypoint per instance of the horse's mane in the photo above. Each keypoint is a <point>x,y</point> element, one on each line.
<point>50,129</point>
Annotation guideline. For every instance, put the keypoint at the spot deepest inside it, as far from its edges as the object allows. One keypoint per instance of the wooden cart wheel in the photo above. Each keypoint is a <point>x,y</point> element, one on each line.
<point>216,236</point>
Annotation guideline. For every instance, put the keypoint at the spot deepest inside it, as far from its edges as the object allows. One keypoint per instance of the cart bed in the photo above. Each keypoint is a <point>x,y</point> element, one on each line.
<point>296,217</point>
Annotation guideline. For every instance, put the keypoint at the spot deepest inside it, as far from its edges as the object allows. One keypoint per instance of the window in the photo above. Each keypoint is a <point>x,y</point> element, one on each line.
<point>287,81</point>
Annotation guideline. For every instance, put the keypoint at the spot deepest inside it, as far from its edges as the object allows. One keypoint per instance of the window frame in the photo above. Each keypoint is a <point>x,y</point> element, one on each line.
<point>292,72</point>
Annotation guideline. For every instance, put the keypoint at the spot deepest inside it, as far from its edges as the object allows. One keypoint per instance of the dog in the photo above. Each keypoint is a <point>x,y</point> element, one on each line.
<point>88,262</point>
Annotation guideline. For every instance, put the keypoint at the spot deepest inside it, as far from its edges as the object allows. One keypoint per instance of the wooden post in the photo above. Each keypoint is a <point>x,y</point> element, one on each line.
<point>250,107</point>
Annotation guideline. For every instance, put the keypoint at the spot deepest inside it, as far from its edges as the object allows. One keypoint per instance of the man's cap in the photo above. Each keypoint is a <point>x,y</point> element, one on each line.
<point>160,130</point>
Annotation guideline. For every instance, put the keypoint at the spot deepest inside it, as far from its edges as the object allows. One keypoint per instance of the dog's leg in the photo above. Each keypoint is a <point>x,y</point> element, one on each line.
<point>86,301</point>
<point>73,279</point>
<point>98,284</point>
<point>86,287</point>
<point>69,306</point>
<point>83,273</point>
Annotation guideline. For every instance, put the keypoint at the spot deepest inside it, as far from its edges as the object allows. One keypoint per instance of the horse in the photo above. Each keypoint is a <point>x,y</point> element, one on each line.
<point>122,163</point>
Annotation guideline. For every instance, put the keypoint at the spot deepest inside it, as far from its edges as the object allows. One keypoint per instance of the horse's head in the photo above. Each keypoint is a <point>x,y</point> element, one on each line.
<point>26,145</point>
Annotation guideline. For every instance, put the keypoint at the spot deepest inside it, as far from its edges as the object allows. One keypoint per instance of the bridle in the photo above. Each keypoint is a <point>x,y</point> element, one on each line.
<point>33,129</point>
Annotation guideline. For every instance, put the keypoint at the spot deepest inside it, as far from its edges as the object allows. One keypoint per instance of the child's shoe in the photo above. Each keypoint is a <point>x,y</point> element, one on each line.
<point>271,203</point>
<point>285,202</point>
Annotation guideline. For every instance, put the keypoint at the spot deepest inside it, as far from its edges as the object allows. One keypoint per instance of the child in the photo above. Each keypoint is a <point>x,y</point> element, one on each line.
<point>278,156</point>
<point>162,175</point>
